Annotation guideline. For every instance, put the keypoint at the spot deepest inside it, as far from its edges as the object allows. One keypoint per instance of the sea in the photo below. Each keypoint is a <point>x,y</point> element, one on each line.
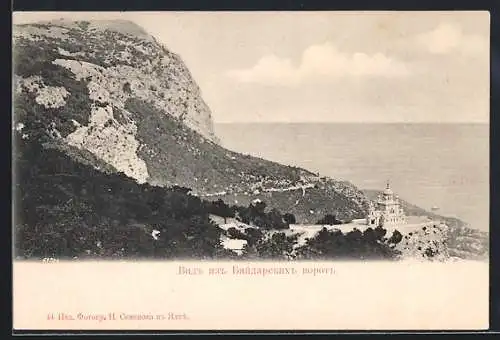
<point>444,167</point>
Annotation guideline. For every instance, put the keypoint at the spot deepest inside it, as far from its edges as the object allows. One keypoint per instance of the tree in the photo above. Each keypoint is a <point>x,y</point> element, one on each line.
<point>235,234</point>
<point>396,237</point>
<point>289,218</point>
<point>353,245</point>
<point>184,190</point>
<point>429,252</point>
<point>354,239</point>
<point>220,208</point>
<point>253,236</point>
<point>127,88</point>
<point>380,233</point>
<point>275,220</point>
<point>369,235</point>
<point>257,209</point>
<point>329,220</point>
<point>84,24</point>
<point>242,214</point>
<point>277,246</point>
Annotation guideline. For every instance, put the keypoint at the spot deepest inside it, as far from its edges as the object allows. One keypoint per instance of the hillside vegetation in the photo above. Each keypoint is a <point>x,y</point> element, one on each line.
<point>106,90</point>
<point>67,209</point>
<point>113,140</point>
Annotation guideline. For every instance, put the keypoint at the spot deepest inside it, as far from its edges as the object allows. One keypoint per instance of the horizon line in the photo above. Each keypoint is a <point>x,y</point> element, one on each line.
<point>341,122</point>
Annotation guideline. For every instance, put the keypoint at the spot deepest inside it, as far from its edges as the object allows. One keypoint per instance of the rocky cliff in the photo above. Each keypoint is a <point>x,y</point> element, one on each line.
<point>104,64</point>
<point>110,90</point>
<point>108,96</point>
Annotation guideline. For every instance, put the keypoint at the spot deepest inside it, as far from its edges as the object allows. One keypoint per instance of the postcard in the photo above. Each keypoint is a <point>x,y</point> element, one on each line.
<point>251,170</point>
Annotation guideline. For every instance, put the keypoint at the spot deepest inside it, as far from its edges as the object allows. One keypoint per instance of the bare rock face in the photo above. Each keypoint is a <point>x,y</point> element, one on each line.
<point>467,243</point>
<point>84,72</point>
<point>429,242</point>
<point>108,94</point>
<point>110,90</point>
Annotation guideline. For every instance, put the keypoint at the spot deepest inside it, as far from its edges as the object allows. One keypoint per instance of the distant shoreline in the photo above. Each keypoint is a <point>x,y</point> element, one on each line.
<point>364,155</point>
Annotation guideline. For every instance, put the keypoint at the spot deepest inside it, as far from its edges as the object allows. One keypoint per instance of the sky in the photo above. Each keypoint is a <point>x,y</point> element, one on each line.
<point>326,66</point>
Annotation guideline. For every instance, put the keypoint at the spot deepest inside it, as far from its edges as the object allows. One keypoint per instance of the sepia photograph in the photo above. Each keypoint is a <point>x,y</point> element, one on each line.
<point>271,142</point>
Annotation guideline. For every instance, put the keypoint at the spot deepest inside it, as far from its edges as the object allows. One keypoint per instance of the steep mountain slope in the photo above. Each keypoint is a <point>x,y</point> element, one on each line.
<point>110,60</point>
<point>67,209</point>
<point>110,90</point>
<point>101,108</point>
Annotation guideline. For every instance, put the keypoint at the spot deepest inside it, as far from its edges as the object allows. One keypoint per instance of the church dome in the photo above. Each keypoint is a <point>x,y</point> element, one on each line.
<point>388,191</point>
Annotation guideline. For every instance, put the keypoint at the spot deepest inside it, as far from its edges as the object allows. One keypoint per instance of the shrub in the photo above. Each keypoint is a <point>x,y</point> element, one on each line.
<point>235,234</point>
<point>127,88</point>
<point>353,245</point>
<point>289,218</point>
<point>329,220</point>
<point>396,237</point>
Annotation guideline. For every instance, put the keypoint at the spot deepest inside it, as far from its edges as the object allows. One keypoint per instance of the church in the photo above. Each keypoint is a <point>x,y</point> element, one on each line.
<point>386,210</point>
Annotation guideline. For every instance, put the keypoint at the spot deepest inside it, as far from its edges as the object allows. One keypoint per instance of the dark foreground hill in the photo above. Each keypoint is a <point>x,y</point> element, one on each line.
<point>107,121</point>
<point>67,209</point>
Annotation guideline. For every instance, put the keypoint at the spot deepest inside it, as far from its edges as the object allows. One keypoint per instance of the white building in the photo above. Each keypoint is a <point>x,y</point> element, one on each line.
<point>386,210</point>
<point>235,245</point>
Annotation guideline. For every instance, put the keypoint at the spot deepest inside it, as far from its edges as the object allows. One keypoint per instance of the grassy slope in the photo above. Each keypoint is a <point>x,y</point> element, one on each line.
<point>173,153</point>
<point>184,158</point>
<point>181,156</point>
